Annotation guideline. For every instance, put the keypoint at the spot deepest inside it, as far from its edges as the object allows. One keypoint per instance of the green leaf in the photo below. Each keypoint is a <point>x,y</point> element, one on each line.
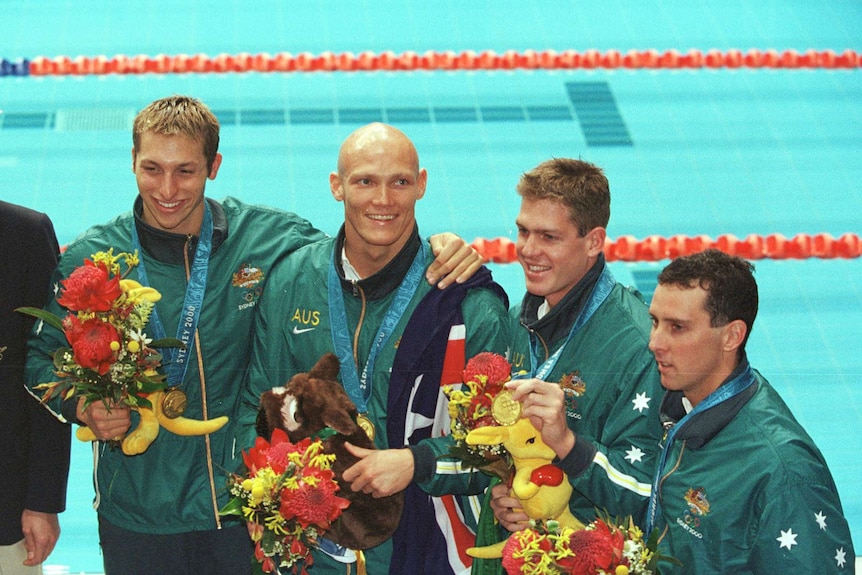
<point>45,316</point>
<point>146,385</point>
<point>232,507</point>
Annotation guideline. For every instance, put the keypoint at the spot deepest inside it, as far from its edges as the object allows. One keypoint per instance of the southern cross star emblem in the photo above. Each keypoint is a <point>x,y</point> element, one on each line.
<point>641,402</point>
<point>840,557</point>
<point>634,454</point>
<point>787,539</point>
<point>820,519</point>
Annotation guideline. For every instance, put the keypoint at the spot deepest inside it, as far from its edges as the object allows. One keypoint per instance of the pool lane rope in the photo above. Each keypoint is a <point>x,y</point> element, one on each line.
<point>656,248</point>
<point>390,61</point>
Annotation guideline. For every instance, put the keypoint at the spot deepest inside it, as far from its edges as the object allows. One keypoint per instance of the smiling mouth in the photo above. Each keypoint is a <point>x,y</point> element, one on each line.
<point>168,205</point>
<point>537,269</point>
<point>381,217</point>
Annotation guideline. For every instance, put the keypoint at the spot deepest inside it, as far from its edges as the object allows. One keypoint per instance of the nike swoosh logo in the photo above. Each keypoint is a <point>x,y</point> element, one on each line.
<point>298,331</point>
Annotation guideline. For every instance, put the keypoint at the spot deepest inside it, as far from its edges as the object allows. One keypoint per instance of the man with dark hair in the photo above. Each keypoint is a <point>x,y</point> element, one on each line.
<point>740,487</point>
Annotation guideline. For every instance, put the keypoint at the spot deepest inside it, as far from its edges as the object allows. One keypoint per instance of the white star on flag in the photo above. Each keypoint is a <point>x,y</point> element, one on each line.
<point>641,402</point>
<point>840,557</point>
<point>787,539</point>
<point>820,519</point>
<point>634,454</point>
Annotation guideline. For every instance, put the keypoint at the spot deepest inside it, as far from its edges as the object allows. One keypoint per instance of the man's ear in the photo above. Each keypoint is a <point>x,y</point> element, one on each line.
<point>734,335</point>
<point>216,165</point>
<point>134,158</point>
<point>422,182</point>
<point>596,241</point>
<point>335,187</point>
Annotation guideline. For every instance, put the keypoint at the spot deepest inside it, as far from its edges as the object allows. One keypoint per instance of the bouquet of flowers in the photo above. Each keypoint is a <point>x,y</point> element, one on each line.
<point>110,358</point>
<point>288,498</point>
<point>471,407</point>
<point>604,547</point>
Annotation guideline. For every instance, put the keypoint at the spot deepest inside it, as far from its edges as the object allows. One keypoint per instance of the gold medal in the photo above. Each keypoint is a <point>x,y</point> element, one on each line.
<point>366,425</point>
<point>505,410</point>
<point>174,403</point>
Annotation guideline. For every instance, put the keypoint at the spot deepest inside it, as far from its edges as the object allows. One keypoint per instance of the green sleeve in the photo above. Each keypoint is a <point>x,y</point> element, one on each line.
<point>803,531</point>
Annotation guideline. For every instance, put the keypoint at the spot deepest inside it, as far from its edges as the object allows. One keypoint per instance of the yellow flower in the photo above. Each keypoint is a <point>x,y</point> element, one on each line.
<point>275,523</point>
<point>133,346</point>
<point>258,491</point>
<point>115,346</point>
<point>131,259</point>
<point>322,461</point>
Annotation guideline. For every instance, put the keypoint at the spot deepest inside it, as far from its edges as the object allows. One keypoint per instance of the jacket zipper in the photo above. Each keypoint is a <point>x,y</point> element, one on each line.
<point>360,293</point>
<point>210,473</point>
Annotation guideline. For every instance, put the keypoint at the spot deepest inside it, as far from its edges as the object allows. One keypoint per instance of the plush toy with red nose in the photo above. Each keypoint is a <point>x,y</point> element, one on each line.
<point>315,404</point>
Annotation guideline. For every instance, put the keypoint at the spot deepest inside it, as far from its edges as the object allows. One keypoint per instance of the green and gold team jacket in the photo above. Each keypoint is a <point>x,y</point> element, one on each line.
<point>179,484</point>
<point>601,330</point>
<point>294,330</point>
<point>743,488</point>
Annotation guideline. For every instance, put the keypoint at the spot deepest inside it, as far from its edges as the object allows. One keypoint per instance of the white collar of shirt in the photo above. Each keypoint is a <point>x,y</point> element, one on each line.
<point>350,272</point>
<point>543,310</point>
<point>687,405</point>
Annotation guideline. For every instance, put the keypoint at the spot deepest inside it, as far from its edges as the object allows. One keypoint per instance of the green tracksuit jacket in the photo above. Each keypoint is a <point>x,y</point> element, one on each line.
<point>293,332</point>
<point>745,490</point>
<point>614,412</point>
<point>179,483</point>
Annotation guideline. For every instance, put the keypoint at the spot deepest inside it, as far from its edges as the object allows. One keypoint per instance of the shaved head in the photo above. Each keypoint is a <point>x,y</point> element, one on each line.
<point>379,181</point>
<point>375,135</point>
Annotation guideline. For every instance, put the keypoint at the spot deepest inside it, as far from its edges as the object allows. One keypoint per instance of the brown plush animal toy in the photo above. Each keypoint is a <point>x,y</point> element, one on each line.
<point>312,402</point>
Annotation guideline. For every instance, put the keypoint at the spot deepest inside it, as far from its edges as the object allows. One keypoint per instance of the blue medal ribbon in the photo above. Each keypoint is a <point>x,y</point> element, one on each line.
<point>730,389</point>
<point>359,386</point>
<point>192,302</point>
<point>600,293</point>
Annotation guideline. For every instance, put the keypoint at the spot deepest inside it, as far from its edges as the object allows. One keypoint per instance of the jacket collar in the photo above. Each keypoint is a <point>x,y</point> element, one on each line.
<point>699,430</point>
<point>387,279</point>
<point>168,247</point>
<point>558,322</point>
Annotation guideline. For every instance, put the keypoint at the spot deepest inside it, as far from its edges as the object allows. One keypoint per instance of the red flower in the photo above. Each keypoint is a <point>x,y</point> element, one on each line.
<point>492,366</point>
<point>511,564</point>
<point>279,453</point>
<point>268,565</point>
<point>297,548</point>
<point>269,454</point>
<point>598,548</point>
<point>89,288</point>
<point>91,342</point>
<point>529,545</point>
<point>258,552</point>
<point>314,505</point>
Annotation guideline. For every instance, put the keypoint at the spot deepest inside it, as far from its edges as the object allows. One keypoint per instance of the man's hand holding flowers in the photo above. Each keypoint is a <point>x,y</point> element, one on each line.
<point>106,422</point>
<point>111,366</point>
